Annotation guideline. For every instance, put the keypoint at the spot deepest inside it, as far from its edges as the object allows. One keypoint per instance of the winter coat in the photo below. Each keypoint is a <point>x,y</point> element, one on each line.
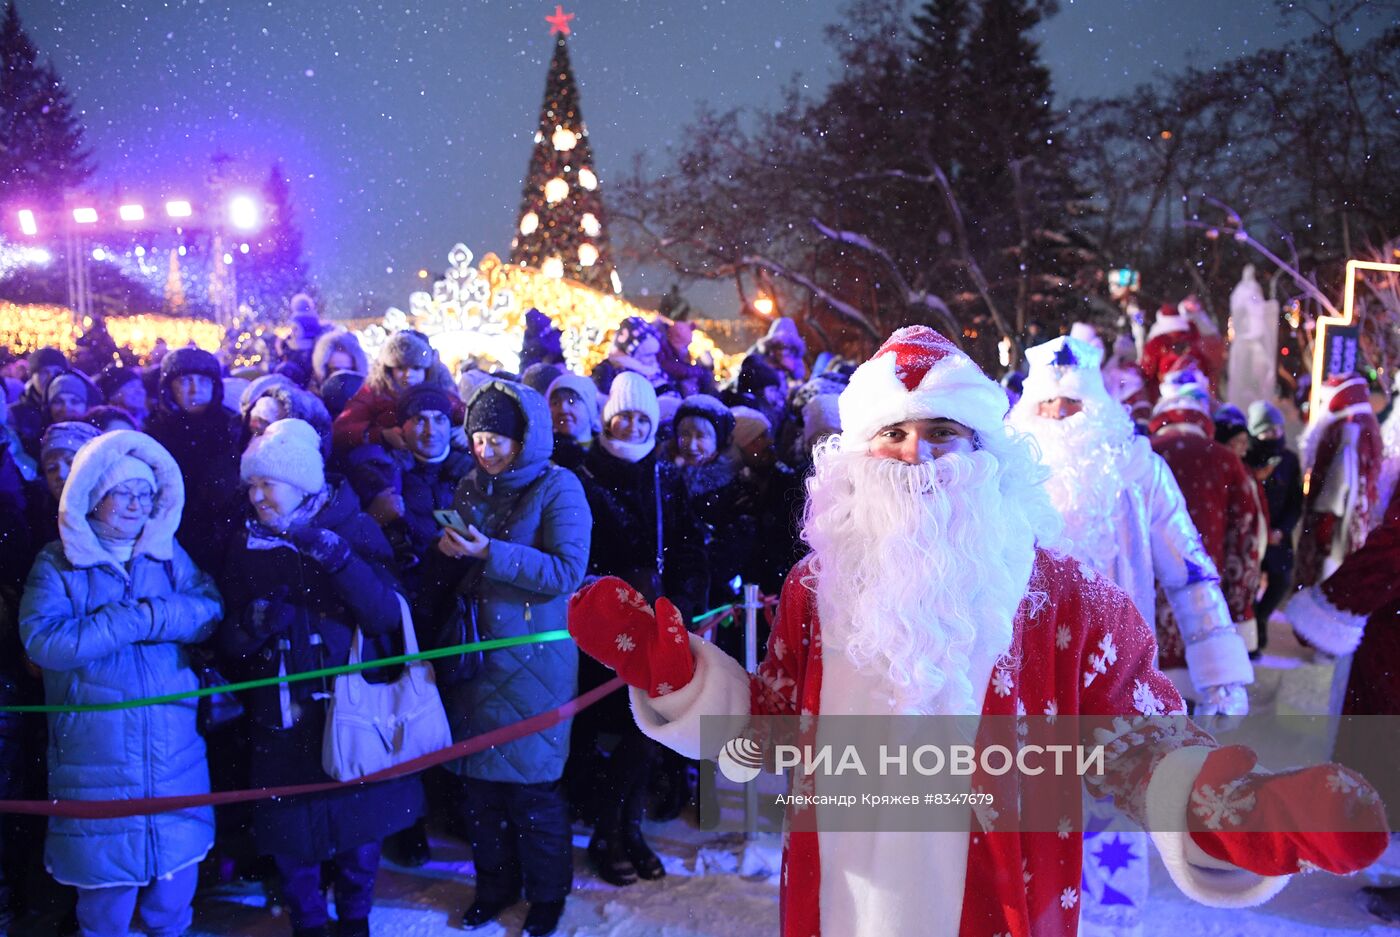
<point>727,508</point>
<point>207,447</point>
<point>315,612</point>
<point>424,486</point>
<point>27,417</point>
<point>81,623</point>
<point>1283,490</point>
<point>539,523</point>
<point>622,497</point>
<point>373,409</point>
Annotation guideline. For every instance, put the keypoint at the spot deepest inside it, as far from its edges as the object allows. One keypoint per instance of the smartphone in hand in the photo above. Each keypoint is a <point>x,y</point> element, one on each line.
<point>450,518</point>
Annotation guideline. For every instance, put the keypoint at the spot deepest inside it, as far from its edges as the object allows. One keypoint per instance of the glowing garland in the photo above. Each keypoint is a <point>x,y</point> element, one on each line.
<point>24,328</point>
<point>479,313</point>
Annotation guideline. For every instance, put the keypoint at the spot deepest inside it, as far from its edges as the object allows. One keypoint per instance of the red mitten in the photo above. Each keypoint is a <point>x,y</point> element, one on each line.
<point>1324,817</point>
<point>649,650</point>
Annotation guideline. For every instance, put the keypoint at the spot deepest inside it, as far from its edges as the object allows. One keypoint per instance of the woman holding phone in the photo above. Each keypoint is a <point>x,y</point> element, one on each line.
<point>520,553</point>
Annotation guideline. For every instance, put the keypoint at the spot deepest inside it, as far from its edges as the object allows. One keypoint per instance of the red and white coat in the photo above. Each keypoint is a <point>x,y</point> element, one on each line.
<point>1079,647</point>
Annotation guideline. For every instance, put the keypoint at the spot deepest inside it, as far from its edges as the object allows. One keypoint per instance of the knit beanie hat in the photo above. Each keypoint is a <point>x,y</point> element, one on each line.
<point>125,469</point>
<point>41,358</point>
<point>70,382</point>
<point>288,451</point>
<point>585,388</point>
<point>631,333</point>
<point>1229,423</point>
<point>114,378</point>
<point>705,407</point>
<point>539,376</point>
<point>406,349</point>
<point>749,424</point>
<point>1263,416</point>
<point>492,410</point>
<point>69,435</point>
<point>820,417</point>
<point>755,375</point>
<point>631,391</point>
<point>337,389</point>
<point>189,361</point>
<point>423,397</point>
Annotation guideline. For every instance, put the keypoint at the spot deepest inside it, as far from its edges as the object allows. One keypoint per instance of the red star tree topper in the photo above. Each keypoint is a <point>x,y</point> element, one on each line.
<point>561,227</point>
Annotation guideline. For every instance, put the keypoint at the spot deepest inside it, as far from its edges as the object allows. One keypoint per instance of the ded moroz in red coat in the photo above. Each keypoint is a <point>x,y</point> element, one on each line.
<point>1224,502</point>
<point>1342,455</point>
<point>1079,648</point>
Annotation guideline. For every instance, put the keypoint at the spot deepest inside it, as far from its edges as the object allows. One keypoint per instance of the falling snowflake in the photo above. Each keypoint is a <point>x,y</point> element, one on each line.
<point>663,688</point>
<point>1062,637</point>
<point>1063,828</point>
<point>624,642</point>
<point>1069,898</point>
<point>1001,683</point>
<point>1145,701</point>
<point>1226,805</point>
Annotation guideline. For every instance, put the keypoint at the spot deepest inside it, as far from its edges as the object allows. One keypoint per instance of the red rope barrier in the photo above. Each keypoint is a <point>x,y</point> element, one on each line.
<point>112,809</point>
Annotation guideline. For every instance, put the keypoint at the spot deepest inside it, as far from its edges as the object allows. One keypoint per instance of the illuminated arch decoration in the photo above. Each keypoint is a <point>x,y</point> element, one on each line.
<point>478,312</point>
<point>1336,334</point>
<point>25,327</point>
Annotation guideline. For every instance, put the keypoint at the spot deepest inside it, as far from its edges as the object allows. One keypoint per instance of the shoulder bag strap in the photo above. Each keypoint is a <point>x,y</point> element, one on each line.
<point>660,548</point>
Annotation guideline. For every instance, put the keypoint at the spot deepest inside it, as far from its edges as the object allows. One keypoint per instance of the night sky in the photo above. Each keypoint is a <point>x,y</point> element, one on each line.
<point>406,127</point>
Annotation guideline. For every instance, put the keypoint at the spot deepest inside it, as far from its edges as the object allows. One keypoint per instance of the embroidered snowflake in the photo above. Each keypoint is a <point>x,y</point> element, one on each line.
<point>1340,782</point>
<point>624,642</point>
<point>1069,898</point>
<point>1052,709</point>
<point>1304,866</point>
<point>1145,701</point>
<point>1100,662</point>
<point>677,633</point>
<point>1063,827</point>
<point>1062,637</point>
<point>1026,875</point>
<point>1226,804</point>
<point>778,647</point>
<point>663,688</point>
<point>1002,683</point>
<point>780,684</point>
<point>625,595</point>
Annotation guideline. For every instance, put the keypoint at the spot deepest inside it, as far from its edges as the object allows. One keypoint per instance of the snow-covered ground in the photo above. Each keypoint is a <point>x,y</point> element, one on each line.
<point>719,886</point>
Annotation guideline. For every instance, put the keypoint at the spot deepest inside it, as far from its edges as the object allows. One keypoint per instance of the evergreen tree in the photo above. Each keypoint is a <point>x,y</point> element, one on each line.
<point>275,270</point>
<point>939,75</point>
<point>41,141</point>
<point>561,227</point>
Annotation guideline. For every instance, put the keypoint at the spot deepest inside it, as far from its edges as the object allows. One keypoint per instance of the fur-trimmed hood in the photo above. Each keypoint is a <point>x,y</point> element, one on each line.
<point>80,543</point>
<point>330,343</point>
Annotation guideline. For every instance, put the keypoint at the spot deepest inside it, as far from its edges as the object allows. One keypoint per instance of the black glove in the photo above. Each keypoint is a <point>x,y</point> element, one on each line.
<point>324,546</point>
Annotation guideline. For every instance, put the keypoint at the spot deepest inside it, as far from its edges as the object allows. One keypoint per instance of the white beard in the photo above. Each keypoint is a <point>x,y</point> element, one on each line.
<point>1087,455</point>
<point>917,568</point>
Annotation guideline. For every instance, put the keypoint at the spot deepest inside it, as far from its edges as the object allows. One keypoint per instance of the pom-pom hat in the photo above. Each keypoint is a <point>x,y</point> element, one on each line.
<point>916,375</point>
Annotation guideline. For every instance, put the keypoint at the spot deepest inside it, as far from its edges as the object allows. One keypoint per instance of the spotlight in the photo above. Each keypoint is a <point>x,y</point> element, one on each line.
<point>243,212</point>
<point>132,213</point>
<point>179,208</point>
<point>85,215</point>
<point>27,224</point>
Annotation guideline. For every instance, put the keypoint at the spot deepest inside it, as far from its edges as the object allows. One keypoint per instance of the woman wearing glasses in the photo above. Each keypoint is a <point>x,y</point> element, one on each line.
<point>107,613</point>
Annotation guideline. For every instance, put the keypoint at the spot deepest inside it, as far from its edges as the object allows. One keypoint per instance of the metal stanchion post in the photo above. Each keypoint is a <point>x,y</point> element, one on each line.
<point>751,607</point>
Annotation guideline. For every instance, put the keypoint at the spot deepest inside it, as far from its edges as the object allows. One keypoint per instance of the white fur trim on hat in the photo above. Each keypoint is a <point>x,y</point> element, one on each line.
<point>1064,367</point>
<point>288,451</point>
<point>1086,333</point>
<point>631,391</point>
<point>947,384</point>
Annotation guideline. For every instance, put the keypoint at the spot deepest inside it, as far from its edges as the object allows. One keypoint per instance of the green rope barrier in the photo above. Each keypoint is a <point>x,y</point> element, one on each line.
<point>493,644</point>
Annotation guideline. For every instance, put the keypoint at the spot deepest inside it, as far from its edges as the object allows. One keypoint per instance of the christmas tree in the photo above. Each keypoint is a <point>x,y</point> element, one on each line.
<point>561,229</point>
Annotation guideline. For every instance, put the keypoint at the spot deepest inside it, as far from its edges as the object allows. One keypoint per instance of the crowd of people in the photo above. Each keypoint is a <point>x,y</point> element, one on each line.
<point>174,520</point>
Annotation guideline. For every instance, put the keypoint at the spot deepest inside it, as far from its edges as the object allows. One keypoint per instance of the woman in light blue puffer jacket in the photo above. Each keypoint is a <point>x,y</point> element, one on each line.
<point>107,612</point>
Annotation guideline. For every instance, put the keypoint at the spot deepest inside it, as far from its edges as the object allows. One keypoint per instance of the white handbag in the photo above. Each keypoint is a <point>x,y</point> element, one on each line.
<point>373,726</point>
